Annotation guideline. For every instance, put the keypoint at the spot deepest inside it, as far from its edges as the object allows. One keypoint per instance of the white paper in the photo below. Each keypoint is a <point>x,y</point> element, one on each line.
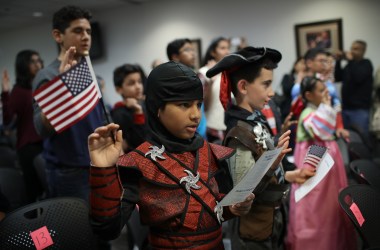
<point>290,158</point>
<point>251,179</point>
<point>323,168</point>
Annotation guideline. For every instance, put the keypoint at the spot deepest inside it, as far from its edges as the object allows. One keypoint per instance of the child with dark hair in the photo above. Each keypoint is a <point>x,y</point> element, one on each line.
<point>176,177</point>
<point>62,19</point>
<point>248,74</point>
<point>317,221</point>
<point>181,50</point>
<point>129,113</point>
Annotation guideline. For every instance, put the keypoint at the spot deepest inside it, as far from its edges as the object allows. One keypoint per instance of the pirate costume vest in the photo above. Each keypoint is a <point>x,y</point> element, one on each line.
<point>252,131</point>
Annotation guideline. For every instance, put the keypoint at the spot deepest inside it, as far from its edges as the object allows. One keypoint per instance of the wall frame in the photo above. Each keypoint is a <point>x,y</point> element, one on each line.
<point>324,34</point>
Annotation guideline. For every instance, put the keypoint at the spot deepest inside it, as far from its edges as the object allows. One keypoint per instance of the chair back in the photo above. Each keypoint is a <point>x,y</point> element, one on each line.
<point>8,156</point>
<point>64,222</point>
<point>366,172</point>
<point>359,150</point>
<point>362,205</point>
<point>355,136</point>
<point>343,148</point>
<point>13,186</point>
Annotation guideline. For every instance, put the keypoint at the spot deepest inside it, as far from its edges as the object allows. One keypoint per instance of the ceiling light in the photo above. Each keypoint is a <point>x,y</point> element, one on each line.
<point>37,14</point>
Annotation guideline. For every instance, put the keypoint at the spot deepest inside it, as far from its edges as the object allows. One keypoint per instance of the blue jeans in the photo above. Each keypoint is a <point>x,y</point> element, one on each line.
<point>68,181</point>
<point>357,118</point>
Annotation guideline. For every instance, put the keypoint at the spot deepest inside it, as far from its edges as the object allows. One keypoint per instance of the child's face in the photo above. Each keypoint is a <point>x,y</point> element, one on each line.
<point>259,92</point>
<point>300,66</point>
<point>221,50</point>
<point>132,86</point>
<point>330,64</point>
<point>316,96</point>
<point>186,55</point>
<point>318,64</point>
<point>78,34</point>
<point>181,118</point>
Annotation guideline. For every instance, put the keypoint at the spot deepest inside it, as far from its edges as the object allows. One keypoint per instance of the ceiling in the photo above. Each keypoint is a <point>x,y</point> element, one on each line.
<point>19,13</point>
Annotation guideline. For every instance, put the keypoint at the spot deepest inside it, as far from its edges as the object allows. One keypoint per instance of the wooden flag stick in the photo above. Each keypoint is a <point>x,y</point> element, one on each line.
<point>88,60</point>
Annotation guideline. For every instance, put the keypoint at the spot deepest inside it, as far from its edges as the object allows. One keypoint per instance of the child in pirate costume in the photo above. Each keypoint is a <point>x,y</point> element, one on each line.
<point>175,177</point>
<point>248,75</point>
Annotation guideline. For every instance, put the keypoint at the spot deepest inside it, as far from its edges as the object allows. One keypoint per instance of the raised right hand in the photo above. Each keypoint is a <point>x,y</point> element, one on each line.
<point>105,150</point>
<point>133,104</point>
<point>283,142</point>
<point>5,82</point>
<point>68,60</point>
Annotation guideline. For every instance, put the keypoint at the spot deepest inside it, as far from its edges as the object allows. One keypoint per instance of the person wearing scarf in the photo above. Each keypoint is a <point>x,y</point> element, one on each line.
<point>176,177</point>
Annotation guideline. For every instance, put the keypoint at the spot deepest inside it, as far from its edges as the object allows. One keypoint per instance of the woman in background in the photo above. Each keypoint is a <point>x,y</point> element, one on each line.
<point>214,111</point>
<point>18,110</point>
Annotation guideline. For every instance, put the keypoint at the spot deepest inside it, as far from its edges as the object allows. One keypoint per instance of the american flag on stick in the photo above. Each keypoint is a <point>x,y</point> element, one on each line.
<point>69,97</point>
<point>314,155</point>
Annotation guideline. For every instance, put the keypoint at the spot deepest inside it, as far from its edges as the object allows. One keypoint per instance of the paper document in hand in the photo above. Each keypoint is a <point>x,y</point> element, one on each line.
<point>323,167</point>
<point>251,179</point>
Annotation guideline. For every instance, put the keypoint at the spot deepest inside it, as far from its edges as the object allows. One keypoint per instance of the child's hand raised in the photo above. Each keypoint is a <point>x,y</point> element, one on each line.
<point>133,103</point>
<point>326,97</point>
<point>103,148</point>
<point>283,142</point>
<point>68,60</point>
<point>5,81</point>
<point>242,208</point>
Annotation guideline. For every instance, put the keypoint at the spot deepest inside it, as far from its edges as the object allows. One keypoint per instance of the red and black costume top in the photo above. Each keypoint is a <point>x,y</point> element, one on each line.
<point>177,219</point>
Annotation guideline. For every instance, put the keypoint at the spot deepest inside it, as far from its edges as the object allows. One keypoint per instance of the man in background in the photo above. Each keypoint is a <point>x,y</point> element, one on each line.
<point>357,86</point>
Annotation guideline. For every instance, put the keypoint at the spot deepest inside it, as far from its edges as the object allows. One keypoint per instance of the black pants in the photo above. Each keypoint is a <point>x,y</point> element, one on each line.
<point>26,156</point>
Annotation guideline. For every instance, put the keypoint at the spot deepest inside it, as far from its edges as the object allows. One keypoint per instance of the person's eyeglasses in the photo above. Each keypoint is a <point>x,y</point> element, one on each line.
<point>324,61</point>
<point>187,50</point>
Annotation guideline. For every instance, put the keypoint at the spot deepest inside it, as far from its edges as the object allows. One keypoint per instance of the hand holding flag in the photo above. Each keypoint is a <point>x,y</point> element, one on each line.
<point>70,96</point>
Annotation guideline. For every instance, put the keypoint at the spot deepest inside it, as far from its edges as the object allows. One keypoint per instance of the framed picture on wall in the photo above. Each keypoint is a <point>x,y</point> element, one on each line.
<point>198,52</point>
<point>325,34</point>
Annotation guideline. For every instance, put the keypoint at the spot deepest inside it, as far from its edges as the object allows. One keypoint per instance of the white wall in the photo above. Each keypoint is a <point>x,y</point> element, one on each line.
<point>140,33</point>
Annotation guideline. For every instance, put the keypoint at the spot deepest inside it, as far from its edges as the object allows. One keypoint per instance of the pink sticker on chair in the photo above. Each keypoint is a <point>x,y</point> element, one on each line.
<point>41,238</point>
<point>357,213</point>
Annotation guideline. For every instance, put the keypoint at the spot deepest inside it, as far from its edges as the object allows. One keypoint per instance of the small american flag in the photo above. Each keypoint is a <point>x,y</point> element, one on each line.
<point>314,155</point>
<point>69,97</point>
